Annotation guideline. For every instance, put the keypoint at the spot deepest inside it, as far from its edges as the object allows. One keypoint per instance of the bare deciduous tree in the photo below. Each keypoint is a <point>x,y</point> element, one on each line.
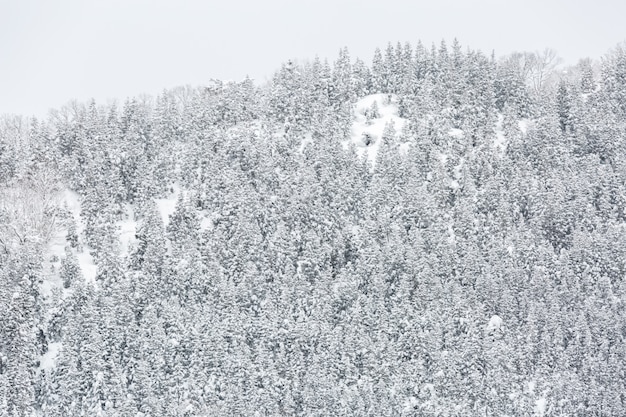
<point>543,67</point>
<point>29,209</point>
<point>535,68</point>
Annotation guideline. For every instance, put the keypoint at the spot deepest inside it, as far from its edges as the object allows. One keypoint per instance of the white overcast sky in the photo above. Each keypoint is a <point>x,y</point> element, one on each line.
<point>55,51</point>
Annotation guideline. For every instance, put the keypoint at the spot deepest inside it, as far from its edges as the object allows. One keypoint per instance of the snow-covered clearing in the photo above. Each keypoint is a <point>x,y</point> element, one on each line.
<point>127,227</point>
<point>308,139</point>
<point>456,133</point>
<point>57,244</point>
<point>367,132</point>
<point>56,247</point>
<point>167,205</point>
<point>495,323</point>
<point>48,359</point>
<point>523,125</point>
<point>540,407</point>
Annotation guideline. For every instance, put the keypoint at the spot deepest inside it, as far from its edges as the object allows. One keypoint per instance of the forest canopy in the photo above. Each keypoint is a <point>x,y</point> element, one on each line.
<point>437,232</point>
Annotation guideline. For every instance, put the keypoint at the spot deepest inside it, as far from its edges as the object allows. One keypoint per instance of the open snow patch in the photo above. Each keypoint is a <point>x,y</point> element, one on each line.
<point>371,114</point>
<point>48,359</point>
<point>167,205</point>
<point>523,126</point>
<point>206,223</point>
<point>56,247</point>
<point>456,133</point>
<point>540,407</point>
<point>308,139</point>
<point>404,148</point>
<point>495,323</point>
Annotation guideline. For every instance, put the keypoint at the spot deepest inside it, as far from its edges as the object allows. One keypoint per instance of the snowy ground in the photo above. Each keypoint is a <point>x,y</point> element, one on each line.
<point>52,264</point>
<point>48,360</point>
<point>366,134</point>
<point>166,206</point>
<point>127,227</point>
<point>57,244</point>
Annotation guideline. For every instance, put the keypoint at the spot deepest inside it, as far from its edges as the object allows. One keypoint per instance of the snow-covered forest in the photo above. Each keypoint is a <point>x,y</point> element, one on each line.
<point>440,232</point>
